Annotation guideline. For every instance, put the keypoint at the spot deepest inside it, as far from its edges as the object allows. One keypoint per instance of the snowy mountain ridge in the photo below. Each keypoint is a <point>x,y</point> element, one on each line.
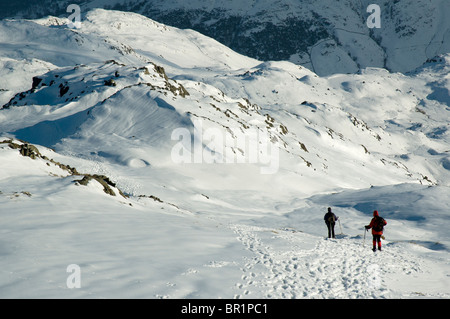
<point>325,37</point>
<point>160,113</point>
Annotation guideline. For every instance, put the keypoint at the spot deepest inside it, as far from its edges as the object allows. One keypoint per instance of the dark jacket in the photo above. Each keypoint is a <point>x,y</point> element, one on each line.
<point>330,218</point>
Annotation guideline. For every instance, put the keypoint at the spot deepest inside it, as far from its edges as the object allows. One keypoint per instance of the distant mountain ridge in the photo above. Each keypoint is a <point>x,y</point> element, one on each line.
<point>327,38</point>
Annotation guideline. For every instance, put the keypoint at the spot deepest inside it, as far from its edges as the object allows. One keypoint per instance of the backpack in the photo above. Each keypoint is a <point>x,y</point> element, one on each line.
<point>379,224</point>
<point>331,218</point>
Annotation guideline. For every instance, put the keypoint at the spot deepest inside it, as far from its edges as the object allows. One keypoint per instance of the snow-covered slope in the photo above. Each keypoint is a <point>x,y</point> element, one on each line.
<point>226,164</point>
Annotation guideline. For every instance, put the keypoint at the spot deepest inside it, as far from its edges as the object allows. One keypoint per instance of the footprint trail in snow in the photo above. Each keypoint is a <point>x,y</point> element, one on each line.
<point>289,264</point>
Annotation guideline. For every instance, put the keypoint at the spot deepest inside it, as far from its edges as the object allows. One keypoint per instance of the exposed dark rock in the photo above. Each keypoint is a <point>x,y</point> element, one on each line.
<point>110,82</point>
<point>103,180</point>
<point>29,150</point>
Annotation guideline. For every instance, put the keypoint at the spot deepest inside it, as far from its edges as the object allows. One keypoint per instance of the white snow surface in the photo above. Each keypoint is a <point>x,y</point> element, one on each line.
<point>356,143</point>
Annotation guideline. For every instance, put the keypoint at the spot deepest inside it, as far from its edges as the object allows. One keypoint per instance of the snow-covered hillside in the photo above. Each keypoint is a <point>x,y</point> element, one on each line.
<point>166,165</point>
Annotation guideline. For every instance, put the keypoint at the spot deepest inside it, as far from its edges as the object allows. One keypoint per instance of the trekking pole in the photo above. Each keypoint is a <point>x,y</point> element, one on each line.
<point>364,242</point>
<point>339,220</point>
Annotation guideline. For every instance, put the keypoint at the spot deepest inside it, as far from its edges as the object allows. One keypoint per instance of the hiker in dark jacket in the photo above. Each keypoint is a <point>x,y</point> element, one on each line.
<point>377,223</point>
<point>330,219</point>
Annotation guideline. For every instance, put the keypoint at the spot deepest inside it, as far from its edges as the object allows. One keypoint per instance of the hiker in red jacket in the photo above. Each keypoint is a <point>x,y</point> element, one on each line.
<point>377,223</point>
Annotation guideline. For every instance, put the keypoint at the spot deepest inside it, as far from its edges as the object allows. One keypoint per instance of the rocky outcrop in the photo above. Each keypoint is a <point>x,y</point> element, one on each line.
<point>31,151</point>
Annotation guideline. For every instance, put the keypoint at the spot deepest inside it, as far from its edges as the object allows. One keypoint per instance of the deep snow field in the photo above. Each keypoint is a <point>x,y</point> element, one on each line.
<point>128,98</point>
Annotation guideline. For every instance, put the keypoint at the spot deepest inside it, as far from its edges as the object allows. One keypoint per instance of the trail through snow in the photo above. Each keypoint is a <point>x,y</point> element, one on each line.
<point>291,264</point>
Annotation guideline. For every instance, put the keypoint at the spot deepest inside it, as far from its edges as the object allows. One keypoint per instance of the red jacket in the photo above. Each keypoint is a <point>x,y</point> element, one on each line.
<point>374,223</point>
